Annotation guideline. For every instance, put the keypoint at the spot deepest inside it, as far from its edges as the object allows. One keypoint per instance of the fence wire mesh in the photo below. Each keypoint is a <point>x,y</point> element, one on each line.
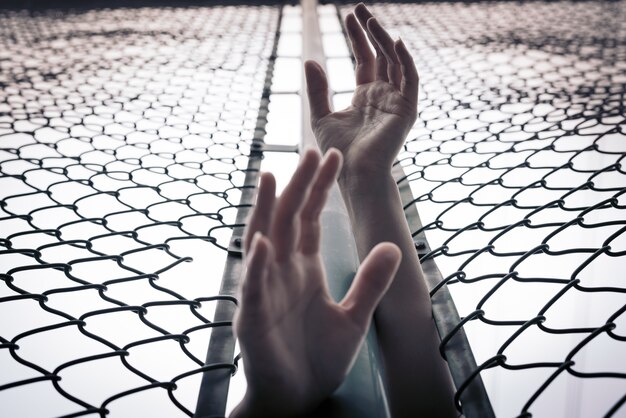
<point>516,164</point>
<point>124,143</point>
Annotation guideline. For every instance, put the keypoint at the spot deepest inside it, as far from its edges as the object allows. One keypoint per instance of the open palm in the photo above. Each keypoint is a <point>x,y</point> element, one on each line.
<point>297,343</point>
<point>371,131</point>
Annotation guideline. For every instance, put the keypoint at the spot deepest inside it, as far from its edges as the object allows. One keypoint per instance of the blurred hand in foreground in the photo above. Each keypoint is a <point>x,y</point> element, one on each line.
<point>297,343</point>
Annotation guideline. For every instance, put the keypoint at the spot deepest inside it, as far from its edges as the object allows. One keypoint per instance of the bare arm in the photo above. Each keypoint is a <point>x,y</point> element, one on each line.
<point>370,133</point>
<point>417,378</point>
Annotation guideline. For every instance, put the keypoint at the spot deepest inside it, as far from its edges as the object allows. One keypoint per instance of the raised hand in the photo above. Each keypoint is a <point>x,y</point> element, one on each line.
<point>297,343</point>
<point>370,133</point>
<point>372,130</point>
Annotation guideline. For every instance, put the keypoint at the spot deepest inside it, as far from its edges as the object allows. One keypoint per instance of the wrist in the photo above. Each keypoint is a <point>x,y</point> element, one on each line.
<point>362,168</point>
<point>357,182</point>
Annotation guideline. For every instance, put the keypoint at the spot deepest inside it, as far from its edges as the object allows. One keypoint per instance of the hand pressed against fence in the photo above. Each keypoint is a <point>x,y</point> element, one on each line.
<point>297,343</point>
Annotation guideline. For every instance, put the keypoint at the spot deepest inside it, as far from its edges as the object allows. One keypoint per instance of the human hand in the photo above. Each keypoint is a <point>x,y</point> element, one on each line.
<point>297,343</point>
<point>371,131</point>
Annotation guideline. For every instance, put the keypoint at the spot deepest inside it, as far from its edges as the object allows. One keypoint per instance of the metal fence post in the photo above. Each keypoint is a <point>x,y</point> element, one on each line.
<point>361,395</point>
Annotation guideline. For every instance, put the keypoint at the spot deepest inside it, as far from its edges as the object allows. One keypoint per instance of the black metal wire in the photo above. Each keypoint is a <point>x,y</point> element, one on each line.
<point>521,130</point>
<point>78,86</point>
<point>126,125</point>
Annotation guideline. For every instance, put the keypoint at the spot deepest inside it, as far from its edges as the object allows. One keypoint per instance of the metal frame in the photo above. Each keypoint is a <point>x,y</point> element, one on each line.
<point>454,347</point>
<point>213,391</point>
<point>362,394</point>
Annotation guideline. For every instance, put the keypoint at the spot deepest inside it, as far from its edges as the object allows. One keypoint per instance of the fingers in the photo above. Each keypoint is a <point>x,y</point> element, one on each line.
<point>286,223</point>
<point>371,282</point>
<point>410,79</point>
<point>363,15</point>
<point>317,90</point>
<point>365,61</point>
<point>294,217</point>
<point>309,217</point>
<point>257,270</point>
<point>261,216</point>
<point>386,46</point>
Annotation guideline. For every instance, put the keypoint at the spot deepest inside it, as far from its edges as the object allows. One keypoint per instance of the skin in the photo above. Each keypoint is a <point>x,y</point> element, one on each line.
<point>370,134</point>
<point>297,344</point>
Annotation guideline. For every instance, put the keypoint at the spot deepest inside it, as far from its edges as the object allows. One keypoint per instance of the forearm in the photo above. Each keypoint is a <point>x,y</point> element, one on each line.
<point>417,378</point>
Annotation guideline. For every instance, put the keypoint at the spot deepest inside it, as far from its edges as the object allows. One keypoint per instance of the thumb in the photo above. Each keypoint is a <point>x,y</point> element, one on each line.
<point>371,282</point>
<point>317,90</point>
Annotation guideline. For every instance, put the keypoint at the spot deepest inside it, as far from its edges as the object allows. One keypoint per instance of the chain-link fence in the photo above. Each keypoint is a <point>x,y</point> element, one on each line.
<point>516,168</point>
<point>125,137</point>
<point>125,172</point>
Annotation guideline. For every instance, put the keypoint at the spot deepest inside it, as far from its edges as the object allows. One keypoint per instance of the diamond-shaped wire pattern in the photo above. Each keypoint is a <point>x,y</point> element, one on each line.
<point>124,140</point>
<point>123,150</point>
<point>516,164</point>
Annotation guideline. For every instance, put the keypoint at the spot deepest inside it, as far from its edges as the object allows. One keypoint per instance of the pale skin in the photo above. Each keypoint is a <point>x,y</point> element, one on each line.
<point>369,135</point>
<point>297,343</point>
